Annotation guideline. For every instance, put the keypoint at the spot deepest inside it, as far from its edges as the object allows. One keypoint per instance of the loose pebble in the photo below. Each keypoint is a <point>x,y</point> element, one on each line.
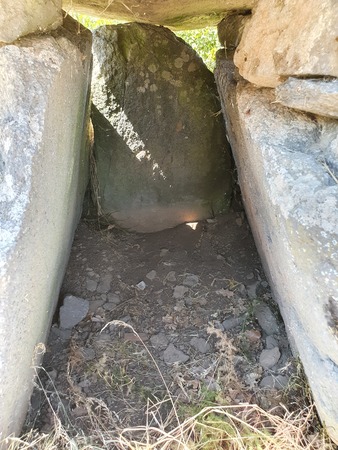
<point>266,319</point>
<point>151,275</point>
<point>232,322</point>
<point>172,355</point>
<point>269,357</point>
<point>91,285</point>
<point>180,291</point>
<point>159,341</point>
<point>200,345</point>
<point>191,280</point>
<point>74,309</point>
<point>274,382</point>
<point>141,285</point>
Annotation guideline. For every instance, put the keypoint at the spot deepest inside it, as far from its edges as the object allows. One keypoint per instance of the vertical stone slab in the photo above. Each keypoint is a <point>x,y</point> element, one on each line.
<point>160,146</point>
<point>288,165</point>
<point>44,81</point>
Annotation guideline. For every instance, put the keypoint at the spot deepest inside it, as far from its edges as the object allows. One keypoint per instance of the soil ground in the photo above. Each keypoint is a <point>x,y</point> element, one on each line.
<point>197,300</point>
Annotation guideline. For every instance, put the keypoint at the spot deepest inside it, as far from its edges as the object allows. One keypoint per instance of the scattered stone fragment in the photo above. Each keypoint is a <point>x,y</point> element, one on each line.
<point>266,319</point>
<point>274,382</point>
<point>109,306</point>
<point>191,280</point>
<point>269,357</point>
<point>151,275</point>
<point>253,335</point>
<point>241,289</point>
<point>264,284</point>
<point>94,305</point>
<point>225,293</point>
<point>180,291</point>
<point>74,309</point>
<point>252,290</point>
<point>250,276</point>
<point>114,298</point>
<point>200,344</point>
<point>232,322</point>
<point>159,341</point>
<point>91,285</point>
<point>171,276</point>
<point>163,252</point>
<point>172,355</point>
<point>61,333</point>
<point>104,285</point>
<point>132,337</point>
<point>141,285</point>
<point>126,319</point>
<point>270,342</point>
<point>251,379</point>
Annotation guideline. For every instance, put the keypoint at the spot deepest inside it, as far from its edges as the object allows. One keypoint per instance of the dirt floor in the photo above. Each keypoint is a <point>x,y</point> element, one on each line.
<point>183,313</point>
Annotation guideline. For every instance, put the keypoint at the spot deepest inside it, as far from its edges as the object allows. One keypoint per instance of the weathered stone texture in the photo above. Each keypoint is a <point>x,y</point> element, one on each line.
<point>289,38</point>
<point>179,15</point>
<point>43,173</point>
<point>230,29</point>
<point>287,164</point>
<point>314,96</point>
<point>21,17</point>
<point>160,147</point>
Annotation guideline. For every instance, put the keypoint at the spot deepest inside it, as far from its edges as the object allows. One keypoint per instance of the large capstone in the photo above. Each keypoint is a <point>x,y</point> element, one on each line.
<point>161,153</point>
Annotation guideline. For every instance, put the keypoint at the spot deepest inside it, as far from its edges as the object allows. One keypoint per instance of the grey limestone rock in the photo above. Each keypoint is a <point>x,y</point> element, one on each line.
<point>172,355</point>
<point>73,310</point>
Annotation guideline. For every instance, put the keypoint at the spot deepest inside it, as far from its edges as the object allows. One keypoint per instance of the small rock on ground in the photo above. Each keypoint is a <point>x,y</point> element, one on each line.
<point>269,357</point>
<point>274,382</point>
<point>151,275</point>
<point>191,280</point>
<point>200,344</point>
<point>104,285</point>
<point>159,341</point>
<point>74,309</point>
<point>232,322</point>
<point>173,355</point>
<point>266,319</point>
<point>180,291</point>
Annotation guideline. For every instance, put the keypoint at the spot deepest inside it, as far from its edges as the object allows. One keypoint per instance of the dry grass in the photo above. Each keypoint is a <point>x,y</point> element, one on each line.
<point>231,427</point>
<point>237,427</point>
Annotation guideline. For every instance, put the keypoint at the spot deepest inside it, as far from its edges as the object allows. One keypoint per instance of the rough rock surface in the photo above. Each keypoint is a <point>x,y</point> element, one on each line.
<point>230,29</point>
<point>314,96</point>
<point>287,163</point>
<point>161,153</point>
<point>183,14</point>
<point>28,16</point>
<point>73,310</point>
<point>43,173</point>
<point>287,38</point>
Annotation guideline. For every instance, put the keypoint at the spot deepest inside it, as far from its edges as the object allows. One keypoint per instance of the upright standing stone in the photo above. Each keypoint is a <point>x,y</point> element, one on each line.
<point>160,147</point>
<point>44,83</point>
<point>287,165</point>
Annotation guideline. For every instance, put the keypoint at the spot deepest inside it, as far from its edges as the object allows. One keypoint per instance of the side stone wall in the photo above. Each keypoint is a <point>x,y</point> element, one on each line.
<point>287,164</point>
<point>44,81</point>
